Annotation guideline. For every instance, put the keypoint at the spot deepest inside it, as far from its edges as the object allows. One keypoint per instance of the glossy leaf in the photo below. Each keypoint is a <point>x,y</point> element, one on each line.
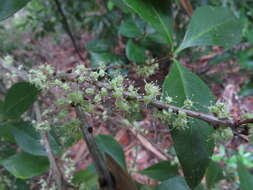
<point>109,145</point>
<point>18,99</point>
<point>9,7</point>
<point>135,52</point>
<point>193,145</point>
<point>24,166</point>
<point>154,12</point>
<point>161,171</point>
<point>246,179</point>
<point>212,26</point>
<point>175,183</point>
<point>213,174</point>
<point>129,29</point>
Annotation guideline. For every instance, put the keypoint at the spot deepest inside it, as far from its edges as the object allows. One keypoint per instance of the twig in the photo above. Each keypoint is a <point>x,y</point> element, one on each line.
<point>105,179</point>
<point>246,121</point>
<point>58,177</point>
<point>67,28</point>
<point>148,144</point>
<point>161,105</point>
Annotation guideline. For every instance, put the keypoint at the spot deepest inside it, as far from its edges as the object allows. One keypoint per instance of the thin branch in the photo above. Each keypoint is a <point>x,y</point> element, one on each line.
<point>161,105</point>
<point>58,177</point>
<point>246,121</point>
<point>102,169</point>
<point>67,28</point>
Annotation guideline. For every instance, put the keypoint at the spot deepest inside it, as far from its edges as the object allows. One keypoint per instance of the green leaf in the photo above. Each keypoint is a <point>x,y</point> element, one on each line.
<point>146,187</point>
<point>122,5</point>
<point>129,29</point>
<point>18,99</point>
<point>87,175</point>
<point>156,37</point>
<point>200,187</point>
<point>156,13</point>
<point>27,138</point>
<point>175,183</point>
<point>24,166</point>
<point>161,171</point>
<point>5,131</point>
<point>135,52</point>
<point>246,179</point>
<point>212,26</point>
<point>1,107</point>
<point>9,7</point>
<point>213,174</point>
<point>247,89</point>
<point>98,46</point>
<point>103,59</point>
<point>108,144</point>
<point>193,145</point>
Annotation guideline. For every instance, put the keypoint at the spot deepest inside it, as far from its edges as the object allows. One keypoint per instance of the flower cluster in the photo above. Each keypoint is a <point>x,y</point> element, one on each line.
<point>42,126</point>
<point>69,167</point>
<point>222,134</point>
<point>8,60</point>
<point>118,93</point>
<point>147,70</point>
<point>188,104</point>
<point>40,76</point>
<point>220,109</point>
<point>181,121</point>
<point>45,186</point>
<point>151,92</point>
<point>76,97</point>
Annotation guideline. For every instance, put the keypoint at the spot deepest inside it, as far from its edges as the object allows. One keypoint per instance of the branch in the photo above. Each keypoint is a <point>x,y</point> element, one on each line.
<point>67,28</point>
<point>105,178</point>
<point>212,120</point>
<point>58,177</point>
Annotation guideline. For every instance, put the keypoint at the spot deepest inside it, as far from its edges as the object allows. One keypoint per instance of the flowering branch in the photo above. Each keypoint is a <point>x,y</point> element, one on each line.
<point>211,119</point>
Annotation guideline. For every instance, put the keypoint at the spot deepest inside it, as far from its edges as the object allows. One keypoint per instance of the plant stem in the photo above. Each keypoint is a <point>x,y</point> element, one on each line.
<point>57,174</point>
<point>96,155</point>
<point>67,28</point>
